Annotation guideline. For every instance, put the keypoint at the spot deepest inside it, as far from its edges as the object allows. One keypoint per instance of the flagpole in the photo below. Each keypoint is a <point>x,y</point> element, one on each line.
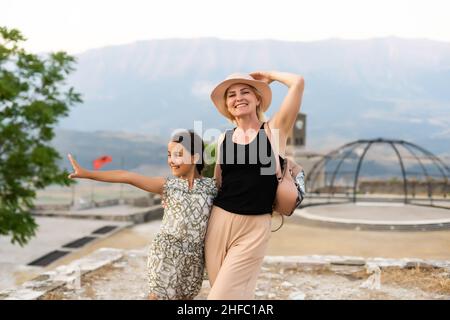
<point>96,165</point>
<point>92,188</point>
<point>73,196</point>
<point>122,163</point>
<point>92,193</point>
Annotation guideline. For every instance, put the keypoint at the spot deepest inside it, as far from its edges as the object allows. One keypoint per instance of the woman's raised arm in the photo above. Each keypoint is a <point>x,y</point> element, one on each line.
<point>285,117</point>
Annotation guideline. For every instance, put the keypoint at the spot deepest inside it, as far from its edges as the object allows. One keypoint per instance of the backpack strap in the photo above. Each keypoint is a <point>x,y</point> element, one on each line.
<point>275,153</point>
<point>217,168</point>
<point>294,167</point>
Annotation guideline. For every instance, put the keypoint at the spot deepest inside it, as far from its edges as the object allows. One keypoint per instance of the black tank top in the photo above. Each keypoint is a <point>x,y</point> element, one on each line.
<point>249,182</point>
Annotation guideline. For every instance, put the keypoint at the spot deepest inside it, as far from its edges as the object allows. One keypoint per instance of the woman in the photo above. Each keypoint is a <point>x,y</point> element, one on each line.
<point>239,226</point>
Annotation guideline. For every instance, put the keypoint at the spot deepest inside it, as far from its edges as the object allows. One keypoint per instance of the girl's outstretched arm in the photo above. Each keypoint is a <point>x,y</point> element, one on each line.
<point>150,184</point>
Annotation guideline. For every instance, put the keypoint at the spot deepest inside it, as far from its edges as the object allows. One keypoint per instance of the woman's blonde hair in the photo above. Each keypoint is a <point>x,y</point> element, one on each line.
<point>259,112</point>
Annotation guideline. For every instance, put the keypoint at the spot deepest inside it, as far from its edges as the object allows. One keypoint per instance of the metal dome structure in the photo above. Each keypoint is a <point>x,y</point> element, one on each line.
<point>392,170</point>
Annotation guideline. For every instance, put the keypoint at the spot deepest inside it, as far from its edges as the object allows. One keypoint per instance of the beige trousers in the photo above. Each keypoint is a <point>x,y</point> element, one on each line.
<point>235,246</point>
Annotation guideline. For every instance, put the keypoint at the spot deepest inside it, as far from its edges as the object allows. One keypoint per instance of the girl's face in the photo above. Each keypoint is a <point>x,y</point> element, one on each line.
<point>179,159</point>
<point>241,100</point>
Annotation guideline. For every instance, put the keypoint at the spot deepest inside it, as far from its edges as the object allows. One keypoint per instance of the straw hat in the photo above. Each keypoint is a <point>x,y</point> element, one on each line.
<point>218,94</point>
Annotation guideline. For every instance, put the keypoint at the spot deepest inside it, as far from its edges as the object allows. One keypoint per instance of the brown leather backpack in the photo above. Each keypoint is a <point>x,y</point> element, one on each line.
<point>287,197</point>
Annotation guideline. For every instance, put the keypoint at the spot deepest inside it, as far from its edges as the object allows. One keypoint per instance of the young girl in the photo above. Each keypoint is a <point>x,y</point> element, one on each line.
<point>176,254</point>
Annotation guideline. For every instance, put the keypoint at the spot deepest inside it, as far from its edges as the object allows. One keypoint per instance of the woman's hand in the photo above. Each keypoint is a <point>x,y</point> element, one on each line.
<point>262,76</point>
<point>79,172</point>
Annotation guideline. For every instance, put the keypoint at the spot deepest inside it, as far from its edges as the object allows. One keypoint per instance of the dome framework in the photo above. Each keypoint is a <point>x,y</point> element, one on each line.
<point>394,170</point>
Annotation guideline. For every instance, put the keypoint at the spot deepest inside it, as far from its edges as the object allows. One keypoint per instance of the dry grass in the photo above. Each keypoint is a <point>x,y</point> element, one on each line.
<point>57,294</point>
<point>428,279</point>
<point>434,280</point>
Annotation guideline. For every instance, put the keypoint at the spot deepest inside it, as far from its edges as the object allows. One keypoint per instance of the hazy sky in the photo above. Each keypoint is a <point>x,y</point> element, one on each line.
<point>78,25</point>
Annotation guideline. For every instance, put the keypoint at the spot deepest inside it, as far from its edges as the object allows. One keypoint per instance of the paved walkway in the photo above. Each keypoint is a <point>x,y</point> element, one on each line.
<point>53,234</point>
<point>296,238</point>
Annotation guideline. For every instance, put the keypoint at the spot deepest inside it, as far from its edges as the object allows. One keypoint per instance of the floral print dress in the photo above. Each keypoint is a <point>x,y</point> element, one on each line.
<point>176,255</point>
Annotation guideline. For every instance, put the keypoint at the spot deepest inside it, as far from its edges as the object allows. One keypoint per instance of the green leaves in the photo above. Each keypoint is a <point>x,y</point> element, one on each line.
<point>209,154</point>
<point>10,86</point>
<point>33,97</point>
<point>12,35</point>
<point>17,222</point>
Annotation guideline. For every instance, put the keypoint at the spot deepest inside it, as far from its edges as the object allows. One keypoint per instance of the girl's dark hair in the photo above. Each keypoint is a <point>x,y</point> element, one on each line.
<point>192,143</point>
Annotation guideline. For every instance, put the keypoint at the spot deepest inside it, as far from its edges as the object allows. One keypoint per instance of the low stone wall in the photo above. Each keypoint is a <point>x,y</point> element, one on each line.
<point>136,216</point>
<point>147,201</point>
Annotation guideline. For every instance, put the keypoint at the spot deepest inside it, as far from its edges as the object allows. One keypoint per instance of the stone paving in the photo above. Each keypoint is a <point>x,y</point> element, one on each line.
<point>120,274</point>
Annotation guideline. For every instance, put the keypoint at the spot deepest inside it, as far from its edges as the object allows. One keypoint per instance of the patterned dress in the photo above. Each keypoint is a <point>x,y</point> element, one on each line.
<point>176,255</point>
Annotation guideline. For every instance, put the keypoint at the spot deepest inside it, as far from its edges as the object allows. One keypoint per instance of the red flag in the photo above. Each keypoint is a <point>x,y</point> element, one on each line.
<point>100,162</point>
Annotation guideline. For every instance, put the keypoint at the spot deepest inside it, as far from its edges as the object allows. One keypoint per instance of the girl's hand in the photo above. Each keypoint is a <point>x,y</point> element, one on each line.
<point>79,172</point>
<point>262,76</point>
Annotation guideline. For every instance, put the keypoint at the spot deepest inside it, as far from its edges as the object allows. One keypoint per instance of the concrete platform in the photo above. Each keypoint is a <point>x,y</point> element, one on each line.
<point>53,234</point>
<point>377,215</point>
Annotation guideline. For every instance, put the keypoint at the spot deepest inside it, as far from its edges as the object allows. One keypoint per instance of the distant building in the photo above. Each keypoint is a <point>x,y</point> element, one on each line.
<point>297,136</point>
<point>296,145</point>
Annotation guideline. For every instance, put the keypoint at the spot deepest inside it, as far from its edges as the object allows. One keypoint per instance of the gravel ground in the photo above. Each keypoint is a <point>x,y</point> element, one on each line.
<point>125,279</point>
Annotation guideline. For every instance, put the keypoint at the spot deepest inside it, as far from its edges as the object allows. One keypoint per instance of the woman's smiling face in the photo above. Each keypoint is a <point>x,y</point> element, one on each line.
<point>241,100</point>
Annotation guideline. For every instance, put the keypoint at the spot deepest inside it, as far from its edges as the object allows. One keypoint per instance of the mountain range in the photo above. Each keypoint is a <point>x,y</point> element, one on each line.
<point>386,87</point>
